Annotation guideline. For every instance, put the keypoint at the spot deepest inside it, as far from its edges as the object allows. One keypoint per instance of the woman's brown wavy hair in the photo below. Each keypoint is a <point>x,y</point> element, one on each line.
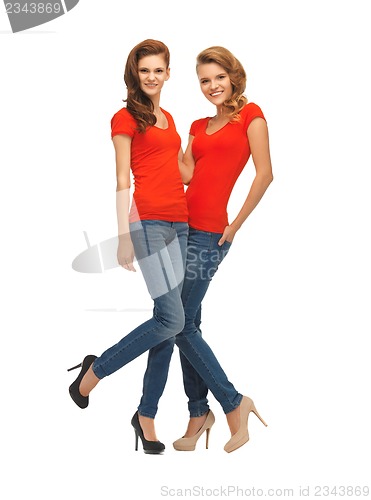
<point>138,104</point>
<point>236,73</point>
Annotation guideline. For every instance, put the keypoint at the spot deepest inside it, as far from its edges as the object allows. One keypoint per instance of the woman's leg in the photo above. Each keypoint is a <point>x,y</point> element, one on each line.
<point>159,357</point>
<point>155,377</point>
<point>194,386</point>
<point>152,242</point>
<point>203,258</point>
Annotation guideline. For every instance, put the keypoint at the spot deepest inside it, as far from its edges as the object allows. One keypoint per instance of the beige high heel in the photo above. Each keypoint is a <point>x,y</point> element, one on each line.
<point>189,443</point>
<point>242,435</point>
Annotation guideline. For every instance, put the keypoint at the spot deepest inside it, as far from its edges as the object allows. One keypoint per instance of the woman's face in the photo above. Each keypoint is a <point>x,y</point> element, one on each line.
<point>214,82</point>
<point>153,73</point>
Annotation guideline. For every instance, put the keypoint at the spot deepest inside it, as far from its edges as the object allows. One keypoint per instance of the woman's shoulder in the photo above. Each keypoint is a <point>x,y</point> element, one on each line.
<point>123,122</point>
<point>168,115</point>
<point>249,112</point>
<point>251,108</point>
<point>197,124</point>
<point>166,112</point>
<point>202,120</point>
<point>123,114</point>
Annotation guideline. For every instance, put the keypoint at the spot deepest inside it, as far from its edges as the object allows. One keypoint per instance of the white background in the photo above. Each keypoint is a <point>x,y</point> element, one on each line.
<point>288,313</point>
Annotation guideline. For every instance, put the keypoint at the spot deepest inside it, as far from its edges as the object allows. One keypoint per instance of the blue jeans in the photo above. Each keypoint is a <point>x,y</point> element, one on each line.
<point>201,369</point>
<point>160,249</point>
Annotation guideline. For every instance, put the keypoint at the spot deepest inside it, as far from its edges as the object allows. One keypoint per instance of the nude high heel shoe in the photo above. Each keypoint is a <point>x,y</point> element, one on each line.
<point>189,443</point>
<point>242,435</point>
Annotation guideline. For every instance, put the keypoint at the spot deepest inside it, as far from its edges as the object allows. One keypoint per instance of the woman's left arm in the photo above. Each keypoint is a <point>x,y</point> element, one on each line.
<point>186,162</point>
<point>257,134</point>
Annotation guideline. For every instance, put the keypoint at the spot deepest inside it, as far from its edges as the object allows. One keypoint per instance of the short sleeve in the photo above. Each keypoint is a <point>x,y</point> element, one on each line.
<point>192,129</point>
<point>196,126</point>
<point>123,123</point>
<point>251,111</point>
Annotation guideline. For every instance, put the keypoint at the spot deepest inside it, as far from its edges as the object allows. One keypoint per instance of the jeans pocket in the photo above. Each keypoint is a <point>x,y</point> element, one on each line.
<point>225,249</point>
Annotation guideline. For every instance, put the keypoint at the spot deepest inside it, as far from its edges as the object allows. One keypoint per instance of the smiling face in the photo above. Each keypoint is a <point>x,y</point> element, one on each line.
<point>214,82</point>
<point>152,73</point>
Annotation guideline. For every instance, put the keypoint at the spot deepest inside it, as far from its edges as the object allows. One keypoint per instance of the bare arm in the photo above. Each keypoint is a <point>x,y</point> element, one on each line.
<point>257,134</point>
<point>186,162</point>
<point>125,251</point>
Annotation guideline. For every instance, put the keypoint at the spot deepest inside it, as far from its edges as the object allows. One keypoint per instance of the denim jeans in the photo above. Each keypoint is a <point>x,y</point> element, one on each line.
<point>201,369</point>
<point>160,249</point>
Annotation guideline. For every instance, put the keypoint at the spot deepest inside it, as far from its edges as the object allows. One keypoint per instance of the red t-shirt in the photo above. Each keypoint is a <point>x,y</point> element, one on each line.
<point>219,159</point>
<point>159,192</point>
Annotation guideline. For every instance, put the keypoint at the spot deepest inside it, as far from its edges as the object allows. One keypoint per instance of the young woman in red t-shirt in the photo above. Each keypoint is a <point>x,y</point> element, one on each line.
<point>155,229</point>
<point>218,149</point>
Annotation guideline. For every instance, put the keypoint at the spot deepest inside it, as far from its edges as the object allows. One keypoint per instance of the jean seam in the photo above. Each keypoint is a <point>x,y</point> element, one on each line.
<point>224,406</point>
<point>146,239</point>
<point>118,353</point>
<point>145,414</point>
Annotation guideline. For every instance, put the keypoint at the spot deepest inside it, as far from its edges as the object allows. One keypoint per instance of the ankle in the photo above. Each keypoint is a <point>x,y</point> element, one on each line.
<point>194,425</point>
<point>148,427</point>
<point>88,382</point>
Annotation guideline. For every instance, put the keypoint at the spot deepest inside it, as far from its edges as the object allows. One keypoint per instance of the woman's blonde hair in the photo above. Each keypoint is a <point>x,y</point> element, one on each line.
<point>236,73</point>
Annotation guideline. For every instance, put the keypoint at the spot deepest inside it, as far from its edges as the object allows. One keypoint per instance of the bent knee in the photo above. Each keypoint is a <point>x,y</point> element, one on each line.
<point>173,324</point>
<point>178,324</point>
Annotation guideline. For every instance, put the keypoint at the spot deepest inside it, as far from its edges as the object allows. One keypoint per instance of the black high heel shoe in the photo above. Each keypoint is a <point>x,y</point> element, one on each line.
<point>81,401</point>
<point>151,447</point>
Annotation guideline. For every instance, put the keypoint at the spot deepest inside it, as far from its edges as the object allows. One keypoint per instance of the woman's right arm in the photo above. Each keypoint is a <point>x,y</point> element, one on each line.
<point>187,163</point>
<point>125,251</point>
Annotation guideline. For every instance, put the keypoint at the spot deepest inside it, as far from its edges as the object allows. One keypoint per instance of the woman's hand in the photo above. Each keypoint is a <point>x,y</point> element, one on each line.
<point>228,235</point>
<point>125,252</point>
